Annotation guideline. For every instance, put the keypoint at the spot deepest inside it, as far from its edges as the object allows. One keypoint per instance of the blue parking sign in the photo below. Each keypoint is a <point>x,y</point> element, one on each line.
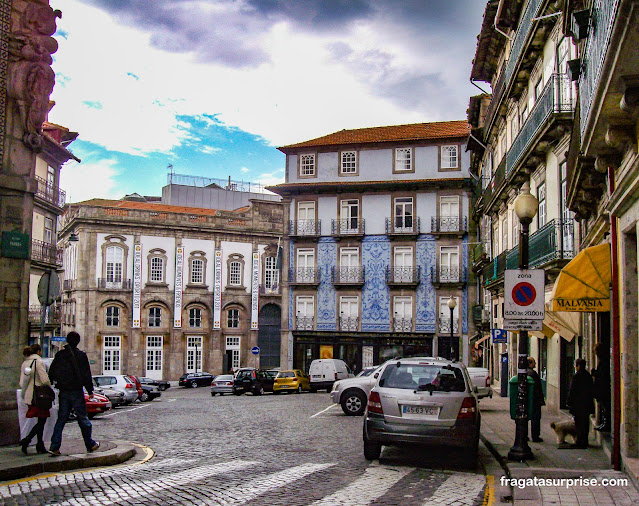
<point>499,336</point>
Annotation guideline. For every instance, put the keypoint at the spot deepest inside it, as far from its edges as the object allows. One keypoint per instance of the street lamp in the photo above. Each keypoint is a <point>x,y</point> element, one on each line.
<point>526,206</point>
<point>452,304</point>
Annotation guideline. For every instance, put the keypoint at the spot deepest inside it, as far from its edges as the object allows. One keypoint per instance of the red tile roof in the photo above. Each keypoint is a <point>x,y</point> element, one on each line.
<point>148,206</point>
<point>397,133</point>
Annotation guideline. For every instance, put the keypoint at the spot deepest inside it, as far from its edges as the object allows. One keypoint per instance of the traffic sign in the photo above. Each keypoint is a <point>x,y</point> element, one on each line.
<point>499,336</point>
<point>523,294</point>
<point>255,350</point>
<point>523,324</point>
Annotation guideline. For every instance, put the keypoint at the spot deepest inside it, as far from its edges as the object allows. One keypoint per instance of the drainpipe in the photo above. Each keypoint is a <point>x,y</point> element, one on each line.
<point>497,16</point>
<point>616,349</point>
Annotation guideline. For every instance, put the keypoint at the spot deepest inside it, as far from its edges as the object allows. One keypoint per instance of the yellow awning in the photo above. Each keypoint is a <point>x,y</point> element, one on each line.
<point>584,283</point>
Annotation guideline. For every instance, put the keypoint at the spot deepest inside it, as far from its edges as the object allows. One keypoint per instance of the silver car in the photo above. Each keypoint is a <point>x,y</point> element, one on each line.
<point>118,382</point>
<point>425,401</point>
<point>352,393</point>
<point>222,384</point>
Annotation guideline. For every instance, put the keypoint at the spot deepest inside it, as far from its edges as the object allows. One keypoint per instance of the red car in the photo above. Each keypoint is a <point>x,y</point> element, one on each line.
<point>138,385</point>
<point>96,404</point>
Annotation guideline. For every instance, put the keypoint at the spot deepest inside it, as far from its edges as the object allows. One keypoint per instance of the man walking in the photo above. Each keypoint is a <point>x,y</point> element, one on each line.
<point>581,402</point>
<point>70,371</point>
<point>538,402</point>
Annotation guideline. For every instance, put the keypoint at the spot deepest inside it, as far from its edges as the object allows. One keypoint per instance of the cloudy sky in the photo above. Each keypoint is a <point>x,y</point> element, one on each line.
<point>212,87</point>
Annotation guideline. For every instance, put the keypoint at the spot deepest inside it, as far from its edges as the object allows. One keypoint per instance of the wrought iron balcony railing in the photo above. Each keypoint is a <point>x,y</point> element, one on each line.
<point>454,224</point>
<point>554,241</point>
<point>402,324</point>
<point>443,275</point>
<point>495,269</point>
<point>350,226</point>
<point>348,323</point>
<point>495,182</point>
<point>52,315</point>
<point>304,275</point>
<point>444,325</point>
<point>45,252</point>
<point>304,323</point>
<point>348,275</point>
<point>273,289</point>
<point>403,275</point>
<point>114,284</point>
<point>50,192</point>
<point>312,228</point>
<point>402,225</point>
<point>556,98</point>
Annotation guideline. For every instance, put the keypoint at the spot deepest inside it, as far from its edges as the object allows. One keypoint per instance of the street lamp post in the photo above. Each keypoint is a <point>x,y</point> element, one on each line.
<point>452,303</point>
<point>526,206</point>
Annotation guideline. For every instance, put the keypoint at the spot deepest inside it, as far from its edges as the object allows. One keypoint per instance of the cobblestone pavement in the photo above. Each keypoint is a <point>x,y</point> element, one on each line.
<point>275,450</point>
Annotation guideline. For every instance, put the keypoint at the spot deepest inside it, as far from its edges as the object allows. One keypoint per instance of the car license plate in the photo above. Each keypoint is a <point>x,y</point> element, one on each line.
<point>108,405</point>
<point>420,410</point>
<point>316,376</point>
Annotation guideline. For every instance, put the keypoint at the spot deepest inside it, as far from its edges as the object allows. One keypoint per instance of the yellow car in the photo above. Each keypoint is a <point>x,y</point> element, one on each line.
<point>291,381</point>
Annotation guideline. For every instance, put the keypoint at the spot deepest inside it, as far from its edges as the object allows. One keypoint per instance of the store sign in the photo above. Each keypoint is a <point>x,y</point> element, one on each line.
<point>137,284</point>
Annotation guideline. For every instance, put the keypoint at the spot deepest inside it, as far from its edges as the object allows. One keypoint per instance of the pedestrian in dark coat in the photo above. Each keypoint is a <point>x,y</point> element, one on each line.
<point>71,372</point>
<point>601,379</point>
<point>581,402</point>
<point>538,402</point>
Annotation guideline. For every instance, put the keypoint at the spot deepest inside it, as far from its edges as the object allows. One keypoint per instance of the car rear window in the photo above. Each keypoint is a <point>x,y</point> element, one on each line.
<point>286,374</point>
<point>105,380</point>
<point>425,377</point>
<point>243,374</point>
<point>224,377</point>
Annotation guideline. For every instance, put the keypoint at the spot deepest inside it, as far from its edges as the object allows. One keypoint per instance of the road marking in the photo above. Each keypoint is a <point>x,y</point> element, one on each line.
<point>123,411</point>
<point>374,483</point>
<point>136,490</point>
<point>172,400</point>
<point>464,487</point>
<point>331,406</point>
<point>244,494</point>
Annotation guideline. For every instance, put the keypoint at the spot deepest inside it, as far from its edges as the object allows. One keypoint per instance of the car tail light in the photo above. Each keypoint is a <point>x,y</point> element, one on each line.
<point>468,408</point>
<point>253,375</point>
<point>335,376</point>
<point>487,381</point>
<point>375,403</point>
<point>129,385</point>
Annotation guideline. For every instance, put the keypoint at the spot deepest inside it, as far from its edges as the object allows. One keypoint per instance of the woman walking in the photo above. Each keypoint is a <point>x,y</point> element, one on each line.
<point>32,374</point>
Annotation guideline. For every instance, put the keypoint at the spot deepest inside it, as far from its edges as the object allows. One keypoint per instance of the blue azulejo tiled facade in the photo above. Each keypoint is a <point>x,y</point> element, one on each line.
<point>378,244</point>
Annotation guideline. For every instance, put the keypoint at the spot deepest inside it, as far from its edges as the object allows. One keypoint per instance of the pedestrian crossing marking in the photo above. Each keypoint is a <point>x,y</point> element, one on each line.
<point>463,487</point>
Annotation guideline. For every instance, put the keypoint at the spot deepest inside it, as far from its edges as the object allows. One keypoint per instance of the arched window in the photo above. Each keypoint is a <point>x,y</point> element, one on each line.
<point>155,317</point>
<point>112,316</point>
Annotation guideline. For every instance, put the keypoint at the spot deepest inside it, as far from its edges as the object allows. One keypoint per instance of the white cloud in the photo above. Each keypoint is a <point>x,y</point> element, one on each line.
<point>245,169</point>
<point>270,179</point>
<point>87,180</point>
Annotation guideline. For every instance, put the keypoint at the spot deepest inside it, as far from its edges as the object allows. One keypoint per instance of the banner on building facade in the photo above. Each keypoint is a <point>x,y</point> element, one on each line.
<point>137,284</point>
<point>217,294</point>
<point>177,306</point>
<point>255,290</point>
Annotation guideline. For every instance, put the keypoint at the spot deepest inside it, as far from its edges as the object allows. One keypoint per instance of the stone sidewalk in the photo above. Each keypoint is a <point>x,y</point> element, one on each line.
<point>15,465</point>
<point>550,464</point>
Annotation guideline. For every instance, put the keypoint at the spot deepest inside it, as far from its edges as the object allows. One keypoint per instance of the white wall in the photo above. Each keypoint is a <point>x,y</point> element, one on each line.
<point>246,250</point>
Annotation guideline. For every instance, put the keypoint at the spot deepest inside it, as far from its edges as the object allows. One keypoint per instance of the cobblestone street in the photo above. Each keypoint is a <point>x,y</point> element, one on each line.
<point>288,449</point>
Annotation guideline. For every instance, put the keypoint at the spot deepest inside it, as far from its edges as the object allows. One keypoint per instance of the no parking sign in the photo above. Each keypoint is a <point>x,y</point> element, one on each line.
<point>524,294</point>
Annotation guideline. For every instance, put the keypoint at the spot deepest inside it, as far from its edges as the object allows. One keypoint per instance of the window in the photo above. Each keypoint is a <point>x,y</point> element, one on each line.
<point>504,233</point>
<point>404,213</point>
<point>567,215</point>
<point>48,230</point>
<point>153,354</point>
<point>514,127</point>
<point>349,162</point>
<point>233,319</point>
<point>449,156</point>
<point>235,273</point>
<point>111,355</point>
<point>449,213</point>
<point>112,316</point>
<point>541,196</point>
<point>114,259</point>
<point>305,271</point>
<point>349,214</point>
<point>305,306</point>
<point>307,165</point>
<point>155,317</point>
<point>539,88</point>
<point>271,272</point>
<point>349,257</point>
<point>403,160</point>
<point>157,269</point>
<point>306,210</point>
<point>193,354</point>
<point>515,234</point>
<point>348,312</point>
<point>195,317</point>
<point>233,348</point>
<point>197,271</point>
<point>449,264</point>
<point>524,114</point>
<point>402,314</point>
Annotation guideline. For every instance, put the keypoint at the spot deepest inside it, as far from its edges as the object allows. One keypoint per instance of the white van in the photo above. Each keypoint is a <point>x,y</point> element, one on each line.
<point>326,371</point>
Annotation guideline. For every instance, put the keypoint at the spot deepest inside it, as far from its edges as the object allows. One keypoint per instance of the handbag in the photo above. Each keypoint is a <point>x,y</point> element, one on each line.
<point>43,395</point>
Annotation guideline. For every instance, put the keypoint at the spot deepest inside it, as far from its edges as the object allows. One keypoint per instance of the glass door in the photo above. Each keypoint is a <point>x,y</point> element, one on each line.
<point>154,357</point>
<point>193,354</point>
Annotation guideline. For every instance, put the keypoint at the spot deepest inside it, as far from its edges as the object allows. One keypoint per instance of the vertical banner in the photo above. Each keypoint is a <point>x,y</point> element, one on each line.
<point>177,306</point>
<point>217,294</point>
<point>255,289</point>
<point>137,284</point>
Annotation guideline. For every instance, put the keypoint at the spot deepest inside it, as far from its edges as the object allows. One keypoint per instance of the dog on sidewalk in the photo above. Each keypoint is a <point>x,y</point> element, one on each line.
<point>563,429</point>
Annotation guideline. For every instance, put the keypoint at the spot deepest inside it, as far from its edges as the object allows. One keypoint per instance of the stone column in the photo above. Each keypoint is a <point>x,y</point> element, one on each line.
<point>26,82</point>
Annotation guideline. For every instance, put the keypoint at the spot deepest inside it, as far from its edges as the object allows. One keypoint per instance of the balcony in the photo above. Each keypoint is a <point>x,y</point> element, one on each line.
<point>402,226</point>
<point>352,227</point>
<point>444,326</point>
<point>449,225</point>
<point>448,276</point>
<point>348,323</point>
<point>305,228</point>
<point>492,188</point>
<point>304,276</point>
<point>402,324</point>
<point>556,102</point>
<point>46,253</point>
<point>50,193</point>
<point>403,276</point>
<point>118,284</point>
<point>353,276</point>
<point>479,257</point>
<point>52,315</point>
<point>273,289</point>
<point>304,323</point>
<point>494,271</point>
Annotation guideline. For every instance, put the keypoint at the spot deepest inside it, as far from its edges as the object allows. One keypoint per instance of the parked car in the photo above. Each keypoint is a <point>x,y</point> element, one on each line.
<point>118,382</point>
<point>256,381</point>
<point>115,396</point>
<point>96,404</point>
<point>196,379</point>
<point>480,377</point>
<point>326,371</point>
<point>222,384</point>
<point>161,384</point>
<point>422,401</point>
<point>352,393</point>
<point>291,381</point>
<point>149,392</point>
<point>138,385</point>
